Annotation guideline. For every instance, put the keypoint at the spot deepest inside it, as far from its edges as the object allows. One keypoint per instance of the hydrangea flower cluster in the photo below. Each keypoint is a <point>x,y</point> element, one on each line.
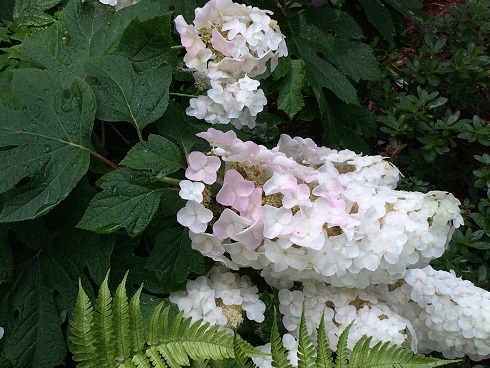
<point>302,212</point>
<point>219,298</point>
<point>227,45</point>
<point>341,306</point>
<point>449,315</point>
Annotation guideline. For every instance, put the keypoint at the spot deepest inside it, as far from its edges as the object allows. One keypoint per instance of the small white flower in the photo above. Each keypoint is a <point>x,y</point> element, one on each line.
<point>194,216</point>
<point>191,191</point>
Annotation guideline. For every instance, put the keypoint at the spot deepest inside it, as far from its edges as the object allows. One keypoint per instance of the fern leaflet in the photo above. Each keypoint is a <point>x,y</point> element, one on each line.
<point>306,350</point>
<point>81,331</point>
<point>104,327</point>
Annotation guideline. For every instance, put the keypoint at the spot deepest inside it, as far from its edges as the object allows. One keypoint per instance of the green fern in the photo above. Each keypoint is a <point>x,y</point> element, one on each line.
<point>278,351</point>
<point>111,334</point>
<point>382,355</point>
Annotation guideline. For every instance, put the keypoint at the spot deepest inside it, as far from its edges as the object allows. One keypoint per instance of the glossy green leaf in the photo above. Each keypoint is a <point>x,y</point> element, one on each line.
<point>159,155</point>
<point>173,259</point>
<point>129,200</point>
<point>46,146</point>
<point>124,95</point>
<point>148,44</point>
<point>290,99</point>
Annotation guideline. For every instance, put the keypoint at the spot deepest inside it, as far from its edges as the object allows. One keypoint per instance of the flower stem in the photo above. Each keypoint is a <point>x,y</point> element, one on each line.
<point>105,161</point>
<point>182,95</point>
<point>170,181</point>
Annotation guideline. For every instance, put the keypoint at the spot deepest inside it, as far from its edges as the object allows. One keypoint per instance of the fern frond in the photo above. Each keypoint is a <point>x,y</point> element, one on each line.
<point>153,332</point>
<point>306,350</point>
<point>360,353</point>
<point>136,323</point>
<point>120,308</point>
<point>324,353</point>
<point>141,361</point>
<point>81,333</point>
<point>104,327</point>
<point>386,354</point>
<point>162,349</point>
<point>341,361</point>
<point>278,352</point>
<point>240,356</point>
<point>155,358</point>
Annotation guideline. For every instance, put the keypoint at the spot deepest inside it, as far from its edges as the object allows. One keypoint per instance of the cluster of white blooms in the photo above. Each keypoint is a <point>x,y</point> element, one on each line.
<point>449,315</point>
<point>341,306</point>
<point>302,212</point>
<point>119,4</point>
<point>226,45</point>
<point>220,298</point>
<point>235,103</point>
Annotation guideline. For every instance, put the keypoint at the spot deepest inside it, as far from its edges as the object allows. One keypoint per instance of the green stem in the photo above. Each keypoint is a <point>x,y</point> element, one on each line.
<point>177,47</point>
<point>182,95</point>
<point>105,161</point>
<point>170,181</point>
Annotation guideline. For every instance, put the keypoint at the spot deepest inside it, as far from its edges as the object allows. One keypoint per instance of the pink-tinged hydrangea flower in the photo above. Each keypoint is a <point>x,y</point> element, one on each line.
<point>235,191</point>
<point>202,167</point>
<point>280,182</point>
<point>242,39</point>
<point>254,209</point>
<point>194,216</point>
<point>191,190</point>
<point>218,138</point>
<point>229,224</point>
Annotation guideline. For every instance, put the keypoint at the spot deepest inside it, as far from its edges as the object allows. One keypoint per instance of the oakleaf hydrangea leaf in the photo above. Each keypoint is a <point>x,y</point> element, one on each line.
<point>148,44</point>
<point>173,258</point>
<point>159,155</point>
<point>380,17</point>
<point>36,305</point>
<point>6,257</point>
<point>124,95</point>
<point>129,200</point>
<point>44,148</point>
<point>27,13</point>
<point>290,99</point>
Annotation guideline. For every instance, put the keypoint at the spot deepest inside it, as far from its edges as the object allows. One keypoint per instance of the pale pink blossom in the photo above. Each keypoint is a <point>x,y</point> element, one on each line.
<point>202,167</point>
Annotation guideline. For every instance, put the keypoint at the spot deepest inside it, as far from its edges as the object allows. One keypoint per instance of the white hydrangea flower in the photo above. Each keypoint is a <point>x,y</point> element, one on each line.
<point>194,216</point>
<point>302,216</point>
<point>219,299</point>
<point>229,40</point>
<point>235,103</point>
<point>191,190</point>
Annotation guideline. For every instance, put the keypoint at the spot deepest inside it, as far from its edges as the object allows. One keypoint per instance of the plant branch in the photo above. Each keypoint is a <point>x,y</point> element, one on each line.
<point>182,95</point>
<point>170,181</point>
<point>105,160</point>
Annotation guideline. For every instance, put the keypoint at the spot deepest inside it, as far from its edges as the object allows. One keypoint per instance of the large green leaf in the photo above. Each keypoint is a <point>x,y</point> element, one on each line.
<point>290,99</point>
<point>380,17</point>
<point>346,126</point>
<point>148,44</point>
<point>26,13</point>
<point>129,200</point>
<point>45,148</point>
<point>159,155</point>
<point>311,44</point>
<point>124,95</point>
<point>6,257</point>
<point>43,291</point>
<point>173,259</point>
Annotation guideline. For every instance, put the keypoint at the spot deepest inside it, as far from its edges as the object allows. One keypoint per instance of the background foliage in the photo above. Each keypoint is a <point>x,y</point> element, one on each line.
<point>92,126</point>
